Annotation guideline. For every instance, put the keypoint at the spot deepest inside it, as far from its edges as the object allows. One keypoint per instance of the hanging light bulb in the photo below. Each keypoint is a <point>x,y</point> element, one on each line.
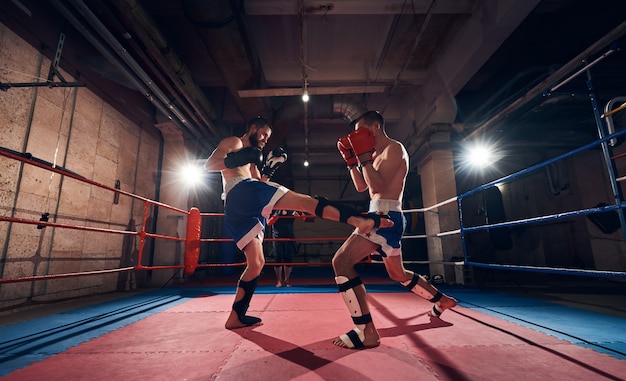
<point>306,163</point>
<point>305,94</point>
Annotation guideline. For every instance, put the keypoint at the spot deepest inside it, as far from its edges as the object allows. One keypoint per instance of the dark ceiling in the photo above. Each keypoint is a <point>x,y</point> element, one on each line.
<point>483,67</point>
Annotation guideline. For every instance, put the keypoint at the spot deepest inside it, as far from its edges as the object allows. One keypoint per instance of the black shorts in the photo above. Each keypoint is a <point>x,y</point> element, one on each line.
<point>285,251</point>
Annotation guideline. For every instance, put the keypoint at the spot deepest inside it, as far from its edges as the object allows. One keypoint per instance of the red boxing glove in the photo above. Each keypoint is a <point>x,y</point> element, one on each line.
<point>344,147</point>
<point>362,142</point>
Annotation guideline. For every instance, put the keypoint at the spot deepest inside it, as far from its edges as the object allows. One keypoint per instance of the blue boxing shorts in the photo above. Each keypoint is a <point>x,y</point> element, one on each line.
<point>248,204</point>
<point>387,239</point>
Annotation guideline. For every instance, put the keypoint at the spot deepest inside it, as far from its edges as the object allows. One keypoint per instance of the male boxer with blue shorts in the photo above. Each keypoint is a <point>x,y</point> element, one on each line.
<point>379,165</point>
<point>249,199</point>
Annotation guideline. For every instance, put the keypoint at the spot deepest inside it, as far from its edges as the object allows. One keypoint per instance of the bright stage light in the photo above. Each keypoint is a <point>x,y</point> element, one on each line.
<point>480,156</point>
<point>192,174</point>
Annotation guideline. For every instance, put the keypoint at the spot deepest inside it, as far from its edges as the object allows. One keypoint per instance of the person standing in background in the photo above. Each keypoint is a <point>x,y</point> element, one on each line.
<point>282,223</point>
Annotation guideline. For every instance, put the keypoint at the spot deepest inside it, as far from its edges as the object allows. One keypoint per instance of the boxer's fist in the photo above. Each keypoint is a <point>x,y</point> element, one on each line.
<point>344,147</point>
<point>274,160</point>
<point>244,156</point>
<point>362,142</point>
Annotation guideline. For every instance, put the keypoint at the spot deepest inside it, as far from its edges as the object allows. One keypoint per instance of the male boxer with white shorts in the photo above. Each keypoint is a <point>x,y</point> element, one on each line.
<point>379,165</point>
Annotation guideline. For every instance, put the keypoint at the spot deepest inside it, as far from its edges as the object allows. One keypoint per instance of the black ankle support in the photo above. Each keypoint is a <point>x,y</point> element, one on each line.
<point>345,212</point>
<point>241,307</point>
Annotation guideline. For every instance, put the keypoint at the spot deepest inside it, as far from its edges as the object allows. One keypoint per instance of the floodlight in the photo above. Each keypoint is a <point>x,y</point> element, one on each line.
<point>480,156</point>
<point>191,174</point>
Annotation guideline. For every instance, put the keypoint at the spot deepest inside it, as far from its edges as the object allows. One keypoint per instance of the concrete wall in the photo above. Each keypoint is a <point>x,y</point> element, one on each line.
<point>74,129</point>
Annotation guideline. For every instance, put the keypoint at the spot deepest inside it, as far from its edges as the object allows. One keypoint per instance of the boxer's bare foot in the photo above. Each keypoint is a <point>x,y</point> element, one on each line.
<point>357,339</point>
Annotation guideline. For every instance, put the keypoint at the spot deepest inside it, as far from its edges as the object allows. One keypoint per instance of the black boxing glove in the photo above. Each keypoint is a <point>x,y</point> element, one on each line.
<point>244,156</point>
<point>274,160</point>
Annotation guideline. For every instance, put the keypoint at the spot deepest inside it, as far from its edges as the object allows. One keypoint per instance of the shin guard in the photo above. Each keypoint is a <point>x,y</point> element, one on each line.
<point>414,286</point>
<point>345,212</point>
<point>346,288</point>
<point>241,307</point>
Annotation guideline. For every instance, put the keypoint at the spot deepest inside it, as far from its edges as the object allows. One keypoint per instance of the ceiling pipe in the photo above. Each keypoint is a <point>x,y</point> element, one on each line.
<point>126,65</point>
<point>164,103</point>
<point>302,28</point>
<point>609,38</point>
<point>409,57</point>
<point>163,80</point>
<point>499,98</point>
<point>319,90</point>
<point>168,61</point>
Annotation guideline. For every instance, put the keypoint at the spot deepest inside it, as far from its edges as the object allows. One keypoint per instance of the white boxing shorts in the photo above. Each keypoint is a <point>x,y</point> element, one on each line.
<point>387,239</point>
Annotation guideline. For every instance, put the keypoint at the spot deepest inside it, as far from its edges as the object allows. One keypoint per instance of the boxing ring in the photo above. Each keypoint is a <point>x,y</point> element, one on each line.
<point>194,217</point>
<point>192,239</point>
<point>177,332</point>
<point>463,230</point>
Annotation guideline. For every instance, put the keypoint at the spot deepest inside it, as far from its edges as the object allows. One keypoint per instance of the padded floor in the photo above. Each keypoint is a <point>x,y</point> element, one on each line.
<point>177,334</point>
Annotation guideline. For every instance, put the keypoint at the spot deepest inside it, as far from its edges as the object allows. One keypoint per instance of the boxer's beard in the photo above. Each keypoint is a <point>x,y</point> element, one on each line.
<point>254,142</point>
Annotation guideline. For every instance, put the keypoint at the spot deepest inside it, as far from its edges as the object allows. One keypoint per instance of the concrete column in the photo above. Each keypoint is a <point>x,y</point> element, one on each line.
<point>436,170</point>
<point>173,193</point>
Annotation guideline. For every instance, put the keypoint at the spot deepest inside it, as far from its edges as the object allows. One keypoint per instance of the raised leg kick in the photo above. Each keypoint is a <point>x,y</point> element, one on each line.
<point>360,336</point>
<point>418,285</point>
<point>346,212</point>
<point>240,307</point>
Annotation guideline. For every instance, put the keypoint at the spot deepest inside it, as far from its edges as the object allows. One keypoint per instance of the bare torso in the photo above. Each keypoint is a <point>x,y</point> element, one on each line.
<point>391,161</point>
<point>216,161</point>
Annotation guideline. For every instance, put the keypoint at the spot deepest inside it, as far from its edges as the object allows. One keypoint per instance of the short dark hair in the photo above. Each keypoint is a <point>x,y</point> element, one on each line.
<point>370,117</point>
<point>259,122</point>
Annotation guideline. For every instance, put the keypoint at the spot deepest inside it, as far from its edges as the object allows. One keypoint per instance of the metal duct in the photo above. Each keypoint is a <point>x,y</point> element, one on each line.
<point>540,88</point>
<point>347,109</point>
<point>168,61</point>
<point>124,63</point>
